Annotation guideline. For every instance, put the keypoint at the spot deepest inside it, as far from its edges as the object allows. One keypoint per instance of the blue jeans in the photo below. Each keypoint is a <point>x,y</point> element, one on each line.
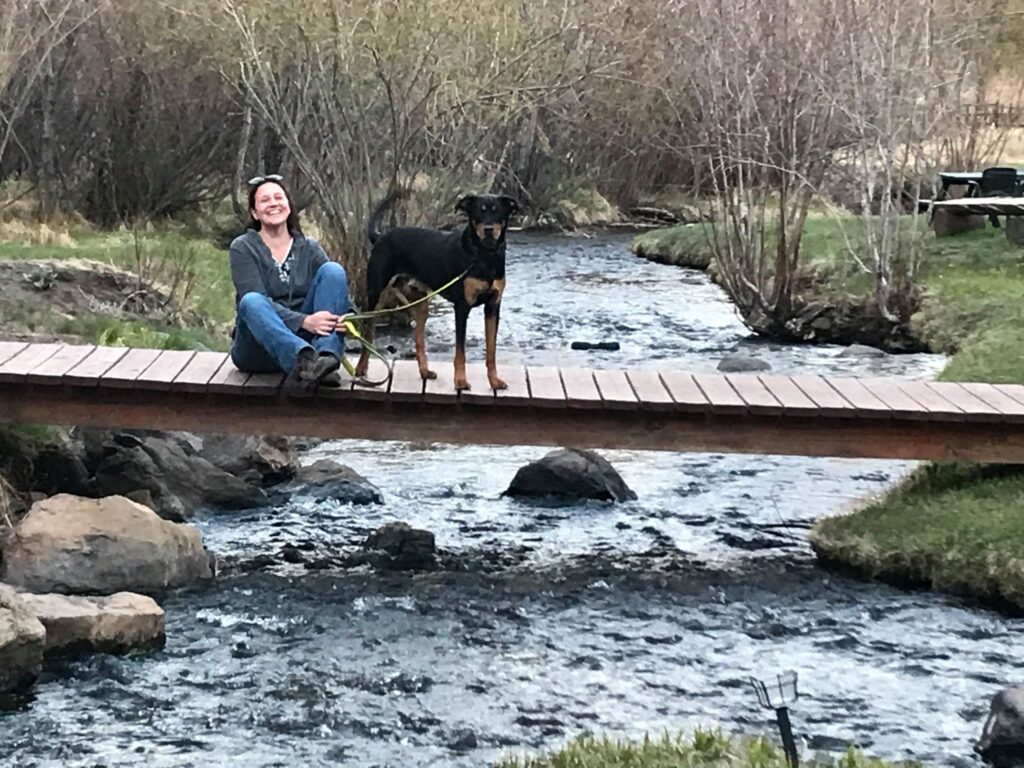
<point>264,344</point>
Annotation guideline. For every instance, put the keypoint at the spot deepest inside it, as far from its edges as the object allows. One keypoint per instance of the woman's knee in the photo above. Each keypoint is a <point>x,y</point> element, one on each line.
<point>252,302</point>
<point>333,271</point>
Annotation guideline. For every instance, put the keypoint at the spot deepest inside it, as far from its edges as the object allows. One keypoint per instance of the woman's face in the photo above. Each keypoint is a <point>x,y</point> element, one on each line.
<point>271,205</point>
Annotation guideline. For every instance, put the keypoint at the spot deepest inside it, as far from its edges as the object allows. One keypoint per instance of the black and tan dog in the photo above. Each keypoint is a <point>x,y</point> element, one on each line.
<point>433,258</point>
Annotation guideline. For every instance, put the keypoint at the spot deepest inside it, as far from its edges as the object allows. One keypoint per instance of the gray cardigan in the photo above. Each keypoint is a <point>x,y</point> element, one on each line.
<point>253,269</point>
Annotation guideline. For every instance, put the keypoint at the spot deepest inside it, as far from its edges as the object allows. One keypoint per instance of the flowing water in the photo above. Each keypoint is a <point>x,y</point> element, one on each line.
<point>547,621</point>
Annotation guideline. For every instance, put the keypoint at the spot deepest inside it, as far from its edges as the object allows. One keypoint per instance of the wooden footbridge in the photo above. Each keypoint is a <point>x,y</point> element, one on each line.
<point>642,409</point>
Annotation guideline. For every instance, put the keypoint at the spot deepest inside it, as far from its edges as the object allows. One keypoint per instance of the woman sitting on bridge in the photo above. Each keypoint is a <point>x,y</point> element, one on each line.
<point>290,299</point>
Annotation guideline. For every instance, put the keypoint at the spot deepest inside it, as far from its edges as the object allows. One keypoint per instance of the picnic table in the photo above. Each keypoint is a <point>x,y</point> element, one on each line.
<point>962,178</point>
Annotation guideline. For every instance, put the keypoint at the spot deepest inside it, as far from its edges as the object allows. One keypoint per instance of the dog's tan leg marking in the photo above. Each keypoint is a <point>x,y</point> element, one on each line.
<point>420,315</point>
<point>461,382</point>
<point>491,338</point>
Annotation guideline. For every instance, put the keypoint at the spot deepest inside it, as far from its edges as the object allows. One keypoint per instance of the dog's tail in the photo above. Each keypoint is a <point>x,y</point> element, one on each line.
<point>373,232</point>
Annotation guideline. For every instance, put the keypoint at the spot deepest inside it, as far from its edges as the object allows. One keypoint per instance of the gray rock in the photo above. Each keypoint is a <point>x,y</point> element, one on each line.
<point>22,639</point>
<point>1002,737</point>
<point>74,545</point>
<point>400,547</point>
<point>463,740</point>
<point>862,350</point>
<point>113,624</point>
<point>570,473</point>
<point>327,480</point>
<point>271,459</point>
<point>742,364</point>
<point>61,469</point>
<point>178,481</point>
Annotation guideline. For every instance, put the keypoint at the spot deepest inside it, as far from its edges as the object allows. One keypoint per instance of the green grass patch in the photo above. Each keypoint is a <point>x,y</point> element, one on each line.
<point>195,272</point>
<point>827,244</point>
<point>160,255</point>
<point>707,748</point>
<point>684,245</point>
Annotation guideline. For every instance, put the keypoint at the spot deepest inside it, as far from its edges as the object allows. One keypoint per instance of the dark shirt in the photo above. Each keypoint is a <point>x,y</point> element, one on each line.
<point>253,269</point>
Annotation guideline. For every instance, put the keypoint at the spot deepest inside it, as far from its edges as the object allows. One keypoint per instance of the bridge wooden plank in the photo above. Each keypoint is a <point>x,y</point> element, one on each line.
<point>406,384</point>
<point>53,370</point>
<point>268,384</point>
<point>228,380</point>
<point>123,374</point>
<point>938,406</point>
<point>88,372</point>
<point>518,390</point>
<point>479,385</point>
<point>580,388</point>
<point>866,404</point>
<point>615,389</point>
<point>9,349</point>
<point>441,389</point>
<point>1013,391</point>
<point>18,367</point>
<point>974,408</point>
<point>650,390</point>
<point>720,394</point>
<point>341,392</point>
<point>195,376</point>
<point>754,393</point>
<point>1013,412</point>
<point>546,388</point>
<point>375,371</point>
<point>685,392</point>
<point>792,399</point>
<point>824,396</point>
<point>900,403</point>
<point>162,372</point>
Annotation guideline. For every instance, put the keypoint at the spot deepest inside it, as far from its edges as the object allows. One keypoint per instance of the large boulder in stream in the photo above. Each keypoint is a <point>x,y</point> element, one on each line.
<point>571,474</point>
<point>1002,737</point>
<point>22,639</point>
<point>327,480</point>
<point>113,624</point>
<point>74,545</point>
<point>743,364</point>
<point>167,473</point>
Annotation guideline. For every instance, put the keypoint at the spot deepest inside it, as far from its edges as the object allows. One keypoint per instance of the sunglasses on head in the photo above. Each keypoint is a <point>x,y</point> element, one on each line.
<point>255,181</point>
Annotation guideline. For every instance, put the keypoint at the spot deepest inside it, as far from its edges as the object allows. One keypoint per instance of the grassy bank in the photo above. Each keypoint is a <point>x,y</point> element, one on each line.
<point>192,271</point>
<point>950,527</point>
<point>704,748</point>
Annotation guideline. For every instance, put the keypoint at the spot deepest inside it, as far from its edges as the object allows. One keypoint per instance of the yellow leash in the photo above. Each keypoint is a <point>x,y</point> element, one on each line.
<point>351,330</point>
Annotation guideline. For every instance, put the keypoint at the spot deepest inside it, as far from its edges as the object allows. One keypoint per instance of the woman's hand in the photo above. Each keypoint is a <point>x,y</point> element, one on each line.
<point>322,323</point>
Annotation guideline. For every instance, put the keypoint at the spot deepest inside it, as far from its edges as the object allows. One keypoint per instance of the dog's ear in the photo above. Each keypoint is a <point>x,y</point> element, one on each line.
<point>464,203</point>
<point>511,205</point>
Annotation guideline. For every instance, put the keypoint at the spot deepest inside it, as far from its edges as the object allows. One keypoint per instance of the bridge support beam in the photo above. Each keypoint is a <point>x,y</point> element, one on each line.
<point>497,424</point>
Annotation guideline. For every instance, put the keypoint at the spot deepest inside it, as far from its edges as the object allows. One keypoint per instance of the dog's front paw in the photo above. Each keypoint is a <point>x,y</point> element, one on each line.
<point>427,374</point>
<point>496,383</point>
<point>461,384</point>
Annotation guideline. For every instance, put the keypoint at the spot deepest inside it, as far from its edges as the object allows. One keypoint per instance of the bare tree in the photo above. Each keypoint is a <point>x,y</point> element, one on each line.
<point>767,125</point>
<point>30,30</point>
<point>903,60</point>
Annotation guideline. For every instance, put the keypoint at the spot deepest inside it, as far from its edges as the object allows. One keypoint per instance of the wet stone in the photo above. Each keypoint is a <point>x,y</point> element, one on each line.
<point>463,740</point>
<point>399,546</point>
